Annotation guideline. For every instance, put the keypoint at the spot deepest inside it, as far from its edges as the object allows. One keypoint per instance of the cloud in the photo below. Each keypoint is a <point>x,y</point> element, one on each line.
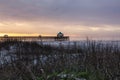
<point>76,16</point>
<point>76,11</point>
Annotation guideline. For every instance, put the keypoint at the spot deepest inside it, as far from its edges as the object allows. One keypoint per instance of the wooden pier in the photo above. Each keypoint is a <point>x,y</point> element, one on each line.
<point>60,37</point>
<point>34,38</point>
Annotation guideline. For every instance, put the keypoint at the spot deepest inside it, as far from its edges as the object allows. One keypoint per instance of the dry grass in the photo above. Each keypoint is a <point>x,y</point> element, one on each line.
<point>32,61</point>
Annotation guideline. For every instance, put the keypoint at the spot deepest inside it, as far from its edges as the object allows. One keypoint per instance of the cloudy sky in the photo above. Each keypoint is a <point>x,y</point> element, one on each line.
<point>77,18</point>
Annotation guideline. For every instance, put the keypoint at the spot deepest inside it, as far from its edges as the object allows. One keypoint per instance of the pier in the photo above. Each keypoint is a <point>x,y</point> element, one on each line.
<point>59,37</point>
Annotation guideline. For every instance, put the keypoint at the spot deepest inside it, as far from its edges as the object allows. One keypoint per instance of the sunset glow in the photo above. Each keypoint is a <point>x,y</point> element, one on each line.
<point>76,19</point>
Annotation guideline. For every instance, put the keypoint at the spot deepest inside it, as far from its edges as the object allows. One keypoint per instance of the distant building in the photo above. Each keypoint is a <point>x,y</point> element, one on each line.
<point>60,35</point>
<point>5,36</point>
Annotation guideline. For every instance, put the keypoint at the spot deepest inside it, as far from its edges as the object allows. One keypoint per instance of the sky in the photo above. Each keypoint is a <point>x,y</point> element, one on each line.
<point>96,19</point>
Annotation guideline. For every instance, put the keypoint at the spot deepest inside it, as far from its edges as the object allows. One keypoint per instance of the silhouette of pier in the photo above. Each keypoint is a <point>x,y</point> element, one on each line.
<point>59,37</point>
